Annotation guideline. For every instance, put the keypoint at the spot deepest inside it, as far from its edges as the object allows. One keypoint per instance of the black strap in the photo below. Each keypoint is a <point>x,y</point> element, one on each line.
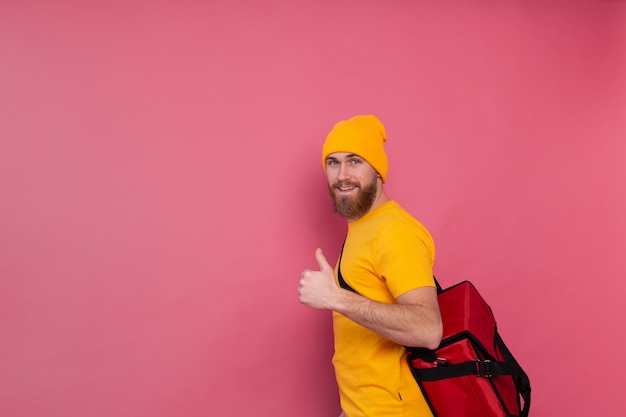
<point>484,368</point>
<point>522,382</point>
<point>342,282</point>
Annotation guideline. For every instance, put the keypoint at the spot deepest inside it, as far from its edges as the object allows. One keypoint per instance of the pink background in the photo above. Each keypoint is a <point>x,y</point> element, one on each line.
<point>161,191</point>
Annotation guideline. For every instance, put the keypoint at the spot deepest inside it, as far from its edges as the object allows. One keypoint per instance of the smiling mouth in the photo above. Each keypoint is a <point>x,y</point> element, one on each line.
<point>345,188</point>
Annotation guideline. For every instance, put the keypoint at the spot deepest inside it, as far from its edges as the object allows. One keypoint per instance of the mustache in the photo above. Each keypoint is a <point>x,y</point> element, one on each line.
<point>340,184</point>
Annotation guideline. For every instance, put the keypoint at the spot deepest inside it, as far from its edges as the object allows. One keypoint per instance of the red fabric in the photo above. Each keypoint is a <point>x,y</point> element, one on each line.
<point>469,335</point>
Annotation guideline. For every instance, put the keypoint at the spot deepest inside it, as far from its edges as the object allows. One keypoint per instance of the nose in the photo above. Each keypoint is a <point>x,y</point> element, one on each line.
<point>343,172</point>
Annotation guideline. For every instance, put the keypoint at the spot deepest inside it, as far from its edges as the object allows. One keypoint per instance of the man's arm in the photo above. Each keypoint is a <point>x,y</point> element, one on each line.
<point>414,321</point>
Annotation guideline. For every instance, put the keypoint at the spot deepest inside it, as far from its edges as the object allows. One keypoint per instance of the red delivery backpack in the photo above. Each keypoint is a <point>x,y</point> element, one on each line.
<point>472,373</point>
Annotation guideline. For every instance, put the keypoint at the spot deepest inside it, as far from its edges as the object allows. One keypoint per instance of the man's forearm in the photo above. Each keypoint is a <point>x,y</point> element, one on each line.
<point>410,324</point>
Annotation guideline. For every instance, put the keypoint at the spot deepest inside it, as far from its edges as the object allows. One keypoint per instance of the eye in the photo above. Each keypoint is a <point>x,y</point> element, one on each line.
<point>355,161</point>
<point>331,162</point>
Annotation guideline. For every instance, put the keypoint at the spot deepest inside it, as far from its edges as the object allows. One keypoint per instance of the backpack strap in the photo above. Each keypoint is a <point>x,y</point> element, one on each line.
<point>485,368</point>
<point>522,382</point>
<point>342,282</point>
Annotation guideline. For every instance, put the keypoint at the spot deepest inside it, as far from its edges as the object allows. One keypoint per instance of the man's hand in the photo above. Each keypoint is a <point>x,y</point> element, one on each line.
<point>318,288</point>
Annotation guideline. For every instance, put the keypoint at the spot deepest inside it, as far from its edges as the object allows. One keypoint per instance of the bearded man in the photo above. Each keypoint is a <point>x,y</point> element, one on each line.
<point>382,292</point>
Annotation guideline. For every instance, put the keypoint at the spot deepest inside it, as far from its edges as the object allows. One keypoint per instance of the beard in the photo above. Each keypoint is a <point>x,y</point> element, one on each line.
<point>354,207</point>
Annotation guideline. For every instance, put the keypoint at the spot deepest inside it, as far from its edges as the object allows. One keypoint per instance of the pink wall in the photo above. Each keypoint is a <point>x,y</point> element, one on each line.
<point>161,191</point>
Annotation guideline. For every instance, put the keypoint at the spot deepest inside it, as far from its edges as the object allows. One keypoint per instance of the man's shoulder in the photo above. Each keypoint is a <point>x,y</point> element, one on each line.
<point>396,217</point>
<point>400,227</point>
<point>391,223</point>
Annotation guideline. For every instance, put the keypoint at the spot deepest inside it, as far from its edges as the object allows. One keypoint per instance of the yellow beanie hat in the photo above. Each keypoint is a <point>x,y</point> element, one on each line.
<point>360,135</point>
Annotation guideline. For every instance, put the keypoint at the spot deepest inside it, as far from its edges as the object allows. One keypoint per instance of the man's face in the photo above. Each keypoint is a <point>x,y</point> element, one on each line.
<point>353,184</point>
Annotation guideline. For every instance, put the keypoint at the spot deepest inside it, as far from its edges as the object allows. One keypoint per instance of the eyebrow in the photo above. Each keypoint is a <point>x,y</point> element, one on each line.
<point>348,156</point>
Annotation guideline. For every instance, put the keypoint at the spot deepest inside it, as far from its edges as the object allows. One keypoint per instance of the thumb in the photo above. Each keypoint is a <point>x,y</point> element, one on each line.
<point>321,261</point>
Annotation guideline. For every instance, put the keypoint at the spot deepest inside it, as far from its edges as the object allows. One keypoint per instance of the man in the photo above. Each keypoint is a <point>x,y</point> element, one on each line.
<point>387,260</point>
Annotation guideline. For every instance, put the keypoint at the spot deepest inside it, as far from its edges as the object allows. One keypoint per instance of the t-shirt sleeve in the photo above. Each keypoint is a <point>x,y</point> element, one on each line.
<point>406,258</point>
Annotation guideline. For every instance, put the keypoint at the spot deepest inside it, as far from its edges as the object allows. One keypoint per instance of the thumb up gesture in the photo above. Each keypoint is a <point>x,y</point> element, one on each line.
<point>318,288</point>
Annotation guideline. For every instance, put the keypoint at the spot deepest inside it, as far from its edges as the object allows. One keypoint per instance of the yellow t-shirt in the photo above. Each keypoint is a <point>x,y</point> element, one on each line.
<point>387,253</point>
